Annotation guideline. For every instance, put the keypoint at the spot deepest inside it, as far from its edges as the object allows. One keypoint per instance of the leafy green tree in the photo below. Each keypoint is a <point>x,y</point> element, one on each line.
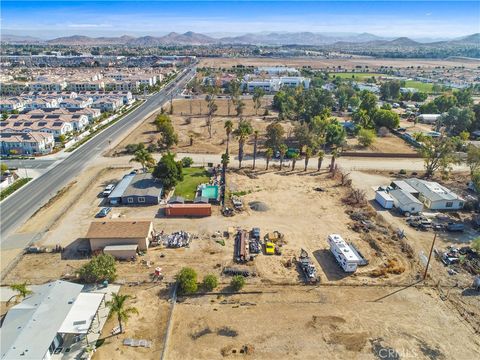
<point>118,308</point>
<point>21,289</point>
<point>335,134</point>
<point>3,168</point>
<point>475,245</point>
<point>143,157</point>
<point>303,135</point>
<point>165,128</point>
<point>457,120</point>
<point>99,268</point>
<point>187,162</point>
<point>362,118</point>
<point>445,102</point>
<point>187,281</point>
<point>168,171</point>
<point>366,137</point>
<point>390,90</point>
<point>239,108</point>
<point>274,135</point>
<point>258,94</point>
<point>210,282</point>
<point>437,153</point>
<point>429,108</point>
<point>268,156</point>
<point>62,138</point>
<point>368,102</point>
<point>242,132</point>
<point>419,96</point>
<point>132,148</point>
<point>228,126</point>
<point>237,283</point>
<point>464,97</point>
<point>386,118</point>
<point>473,159</point>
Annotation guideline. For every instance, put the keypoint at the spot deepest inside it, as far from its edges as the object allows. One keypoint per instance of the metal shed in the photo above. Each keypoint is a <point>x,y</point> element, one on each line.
<point>121,252</point>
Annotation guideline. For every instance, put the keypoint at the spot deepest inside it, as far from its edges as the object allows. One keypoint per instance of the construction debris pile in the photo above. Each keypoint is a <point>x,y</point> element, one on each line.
<point>177,239</point>
<point>457,259</point>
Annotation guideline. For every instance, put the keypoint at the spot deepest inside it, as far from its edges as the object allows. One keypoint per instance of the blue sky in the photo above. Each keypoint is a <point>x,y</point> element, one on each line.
<point>429,19</point>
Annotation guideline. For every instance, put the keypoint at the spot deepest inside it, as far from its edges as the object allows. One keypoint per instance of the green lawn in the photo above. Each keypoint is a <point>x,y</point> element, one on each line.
<point>420,86</point>
<point>354,76</point>
<point>192,177</point>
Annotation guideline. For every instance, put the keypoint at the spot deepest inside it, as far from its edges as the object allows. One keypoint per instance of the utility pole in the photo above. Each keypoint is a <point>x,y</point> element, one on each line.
<point>429,257</point>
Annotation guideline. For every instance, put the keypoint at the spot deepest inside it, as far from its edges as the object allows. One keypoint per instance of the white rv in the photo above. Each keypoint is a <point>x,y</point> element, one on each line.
<point>343,253</point>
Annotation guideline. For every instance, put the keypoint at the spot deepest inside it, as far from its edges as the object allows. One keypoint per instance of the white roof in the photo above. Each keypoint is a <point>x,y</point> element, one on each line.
<point>82,313</point>
<point>384,195</point>
<point>30,327</point>
<point>120,247</point>
<point>343,247</point>
<point>433,190</point>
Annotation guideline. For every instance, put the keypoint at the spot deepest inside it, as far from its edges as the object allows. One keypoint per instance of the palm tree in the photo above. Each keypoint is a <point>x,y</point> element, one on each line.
<point>225,160</point>
<point>143,157</point>
<point>268,155</point>
<point>295,156</point>
<point>308,155</point>
<point>321,155</point>
<point>228,126</point>
<point>283,150</point>
<point>117,306</point>
<point>243,131</point>
<point>335,154</point>
<point>22,290</point>
<point>255,140</point>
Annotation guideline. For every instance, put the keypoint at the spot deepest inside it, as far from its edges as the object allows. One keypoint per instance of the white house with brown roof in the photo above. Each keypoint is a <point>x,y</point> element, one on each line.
<point>120,232</point>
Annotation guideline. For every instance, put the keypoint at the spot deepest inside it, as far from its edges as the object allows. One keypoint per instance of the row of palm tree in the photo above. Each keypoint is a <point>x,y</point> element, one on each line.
<point>244,130</point>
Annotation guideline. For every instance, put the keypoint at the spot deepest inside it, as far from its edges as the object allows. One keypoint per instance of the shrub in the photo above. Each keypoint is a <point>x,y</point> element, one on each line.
<point>238,282</point>
<point>402,172</point>
<point>187,281</point>
<point>366,137</point>
<point>187,162</point>
<point>100,268</point>
<point>210,282</point>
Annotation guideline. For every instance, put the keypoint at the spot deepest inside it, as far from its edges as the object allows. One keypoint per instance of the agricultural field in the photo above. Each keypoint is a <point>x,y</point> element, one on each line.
<point>355,76</point>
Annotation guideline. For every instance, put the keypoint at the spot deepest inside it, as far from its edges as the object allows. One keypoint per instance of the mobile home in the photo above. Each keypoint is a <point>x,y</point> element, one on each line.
<point>343,253</point>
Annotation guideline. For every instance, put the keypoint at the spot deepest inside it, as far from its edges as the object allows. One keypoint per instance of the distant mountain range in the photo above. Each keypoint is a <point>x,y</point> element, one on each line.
<point>274,38</point>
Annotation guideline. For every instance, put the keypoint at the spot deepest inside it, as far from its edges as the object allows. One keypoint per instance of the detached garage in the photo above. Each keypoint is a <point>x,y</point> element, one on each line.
<point>102,234</point>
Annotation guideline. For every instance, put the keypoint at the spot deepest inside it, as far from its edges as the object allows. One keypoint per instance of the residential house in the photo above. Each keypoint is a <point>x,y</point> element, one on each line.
<point>26,143</point>
<point>137,189</point>
<point>435,196</point>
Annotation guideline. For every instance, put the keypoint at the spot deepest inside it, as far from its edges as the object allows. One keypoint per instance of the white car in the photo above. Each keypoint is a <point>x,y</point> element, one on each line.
<point>108,190</point>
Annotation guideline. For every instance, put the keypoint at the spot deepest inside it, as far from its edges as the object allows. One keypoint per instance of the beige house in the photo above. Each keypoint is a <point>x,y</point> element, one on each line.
<point>120,232</point>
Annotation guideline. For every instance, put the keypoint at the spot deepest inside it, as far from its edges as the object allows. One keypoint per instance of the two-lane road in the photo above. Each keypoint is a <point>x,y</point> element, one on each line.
<point>18,207</point>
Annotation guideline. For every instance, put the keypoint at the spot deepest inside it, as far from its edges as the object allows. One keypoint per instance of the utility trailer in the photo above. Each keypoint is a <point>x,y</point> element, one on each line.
<point>240,251</point>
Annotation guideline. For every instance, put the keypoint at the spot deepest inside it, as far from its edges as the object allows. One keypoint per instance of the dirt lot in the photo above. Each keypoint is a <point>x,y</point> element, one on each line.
<point>194,125</point>
<point>323,63</point>
<point>389,144</point>
<point>150,324</point>
<point>338,323</point>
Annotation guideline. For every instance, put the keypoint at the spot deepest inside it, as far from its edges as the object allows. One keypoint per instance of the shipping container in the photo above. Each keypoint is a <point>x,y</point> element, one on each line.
<point>196,210</point>
<point>384,199</point>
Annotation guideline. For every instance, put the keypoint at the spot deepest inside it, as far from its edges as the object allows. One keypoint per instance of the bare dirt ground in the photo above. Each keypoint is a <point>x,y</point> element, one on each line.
<point>389,144</point>
<point>194,125</point>
<point>301,323</point>
<point>150,324</point>
<point>323,63</point>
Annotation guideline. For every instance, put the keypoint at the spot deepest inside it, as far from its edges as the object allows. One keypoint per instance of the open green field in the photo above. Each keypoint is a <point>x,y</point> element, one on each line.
<point>354,76</point>
<point>420,86</point>
<point>192,177</point>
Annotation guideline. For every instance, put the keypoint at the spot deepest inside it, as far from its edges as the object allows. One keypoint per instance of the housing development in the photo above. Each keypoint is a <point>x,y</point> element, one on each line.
<point>263,195</point>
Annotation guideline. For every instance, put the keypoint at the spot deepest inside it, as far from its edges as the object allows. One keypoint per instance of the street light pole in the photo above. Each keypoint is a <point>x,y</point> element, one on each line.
<point>429,257</point>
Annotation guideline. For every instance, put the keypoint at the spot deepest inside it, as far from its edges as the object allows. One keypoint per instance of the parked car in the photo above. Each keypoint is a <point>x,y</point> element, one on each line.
<point>455,227</point>
<point>108,190</point>
<point>255,233</point>
<point>104,212</point>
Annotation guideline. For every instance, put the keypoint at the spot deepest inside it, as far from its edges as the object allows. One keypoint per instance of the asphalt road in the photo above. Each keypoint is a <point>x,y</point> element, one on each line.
<point>18,207</point>
<point>29,164</point>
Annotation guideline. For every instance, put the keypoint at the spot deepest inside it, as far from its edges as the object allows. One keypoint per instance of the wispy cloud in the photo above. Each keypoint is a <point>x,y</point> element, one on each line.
<point>89,26</point>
